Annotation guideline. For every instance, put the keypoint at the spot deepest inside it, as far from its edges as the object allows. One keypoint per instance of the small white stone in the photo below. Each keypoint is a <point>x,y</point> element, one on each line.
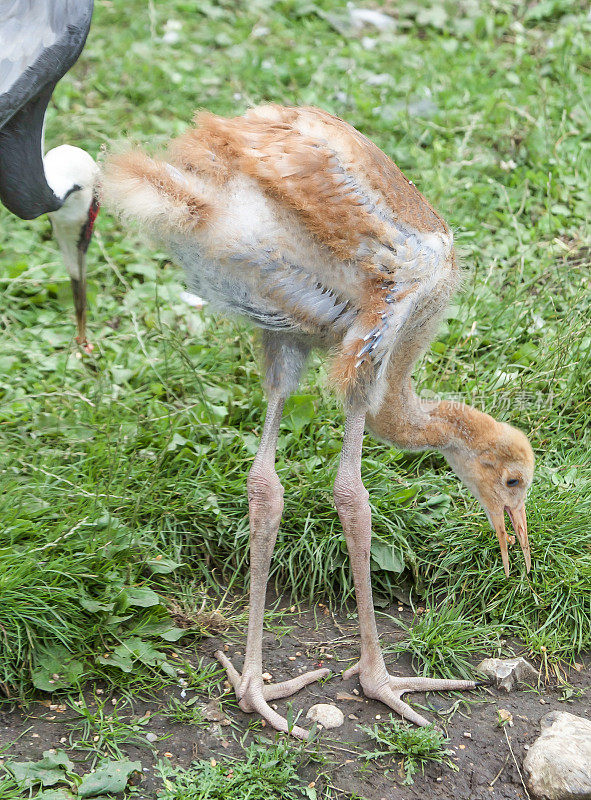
<point>327,715</point>
<point>152,737</point>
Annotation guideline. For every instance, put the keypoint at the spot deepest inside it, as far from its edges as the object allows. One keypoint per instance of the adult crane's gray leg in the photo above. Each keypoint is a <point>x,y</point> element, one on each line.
<point>285,359</point>
<point>351,499</point>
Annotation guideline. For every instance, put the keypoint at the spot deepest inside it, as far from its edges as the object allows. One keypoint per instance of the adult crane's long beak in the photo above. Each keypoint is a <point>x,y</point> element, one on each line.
<point>519,521</point>
<point>79,294</point>
<point>73,239</point>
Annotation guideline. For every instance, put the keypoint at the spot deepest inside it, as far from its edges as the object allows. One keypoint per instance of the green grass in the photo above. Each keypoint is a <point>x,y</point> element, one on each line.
<point>98,729</point>
<point>443,640</point>
<point>136,456</point>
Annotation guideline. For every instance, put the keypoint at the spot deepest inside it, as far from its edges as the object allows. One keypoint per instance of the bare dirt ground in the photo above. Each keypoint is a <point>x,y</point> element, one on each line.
<point>488,756</point>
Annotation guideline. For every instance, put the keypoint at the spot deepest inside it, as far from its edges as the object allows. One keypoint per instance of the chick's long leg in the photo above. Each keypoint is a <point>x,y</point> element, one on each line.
<point>351,499</point>
<point>265,506</point>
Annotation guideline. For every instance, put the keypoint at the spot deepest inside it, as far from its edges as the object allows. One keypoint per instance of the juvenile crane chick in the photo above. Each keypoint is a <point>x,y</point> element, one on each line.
<point>291,218</point>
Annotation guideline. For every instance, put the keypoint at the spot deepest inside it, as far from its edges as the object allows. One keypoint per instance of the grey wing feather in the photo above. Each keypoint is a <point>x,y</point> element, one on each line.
<point>39,41</point>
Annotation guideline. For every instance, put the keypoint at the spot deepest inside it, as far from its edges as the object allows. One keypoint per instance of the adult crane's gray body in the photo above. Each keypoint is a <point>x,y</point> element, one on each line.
<point>39,41</point>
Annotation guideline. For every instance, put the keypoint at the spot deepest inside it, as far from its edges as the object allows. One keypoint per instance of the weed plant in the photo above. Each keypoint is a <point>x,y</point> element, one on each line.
<point>268,772</point>
<point>415,747</point>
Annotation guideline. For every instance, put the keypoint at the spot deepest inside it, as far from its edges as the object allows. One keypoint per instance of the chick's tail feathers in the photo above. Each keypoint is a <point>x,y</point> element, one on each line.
<point>152,192</point>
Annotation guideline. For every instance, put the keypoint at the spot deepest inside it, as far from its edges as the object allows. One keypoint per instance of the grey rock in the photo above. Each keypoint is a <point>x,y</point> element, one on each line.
<point>558,764</point>
<point>327,715</point>
<point>152,737</point>
<point>508,672</point>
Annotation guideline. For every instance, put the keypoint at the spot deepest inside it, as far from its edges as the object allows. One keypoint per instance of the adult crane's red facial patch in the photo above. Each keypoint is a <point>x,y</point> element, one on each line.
<point>86,232</point>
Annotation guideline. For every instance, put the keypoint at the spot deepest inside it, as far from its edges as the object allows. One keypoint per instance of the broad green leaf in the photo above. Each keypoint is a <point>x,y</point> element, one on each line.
<point>162,566</point>
<point>403,495</point>
<point>48,771</point>
<point>56,669</point>
<point>438,500</point>
<point>95,606</point>
<point>168,669</point>
<point>141,650</point>
<point>173,634</point>
<point>165,629</point>
<point>438,505</point>
<point>300,409</point>
<point>123,662</point>
<point>387,556</point>
<point>145,598</point>
<point>136,649</point>
<point>177,443</point>
<point>111,776</point>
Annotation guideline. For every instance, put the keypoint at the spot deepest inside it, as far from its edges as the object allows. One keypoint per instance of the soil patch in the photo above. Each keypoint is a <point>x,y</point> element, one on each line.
<point>488,756</point>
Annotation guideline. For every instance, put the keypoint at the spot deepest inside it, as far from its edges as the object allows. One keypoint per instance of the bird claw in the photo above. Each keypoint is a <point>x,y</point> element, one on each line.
<point>389,689</point>
<point>253,695</point>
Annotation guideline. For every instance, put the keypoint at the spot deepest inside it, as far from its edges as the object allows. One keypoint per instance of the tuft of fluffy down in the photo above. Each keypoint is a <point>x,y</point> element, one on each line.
<point>153,193</point>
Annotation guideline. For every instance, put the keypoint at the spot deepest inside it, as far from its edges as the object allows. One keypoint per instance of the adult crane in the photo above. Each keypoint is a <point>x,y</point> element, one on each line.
<point>291,218</point>
<point>39,41</point>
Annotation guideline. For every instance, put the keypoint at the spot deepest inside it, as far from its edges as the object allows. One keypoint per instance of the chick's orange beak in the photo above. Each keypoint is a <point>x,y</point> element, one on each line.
<point>519,522</point>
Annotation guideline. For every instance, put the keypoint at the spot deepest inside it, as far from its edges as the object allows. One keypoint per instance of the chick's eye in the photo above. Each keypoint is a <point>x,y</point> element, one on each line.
<point>513,482</point>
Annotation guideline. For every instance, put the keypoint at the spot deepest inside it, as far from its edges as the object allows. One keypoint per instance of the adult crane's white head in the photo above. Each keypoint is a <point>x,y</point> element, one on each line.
<point>73,175</point>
